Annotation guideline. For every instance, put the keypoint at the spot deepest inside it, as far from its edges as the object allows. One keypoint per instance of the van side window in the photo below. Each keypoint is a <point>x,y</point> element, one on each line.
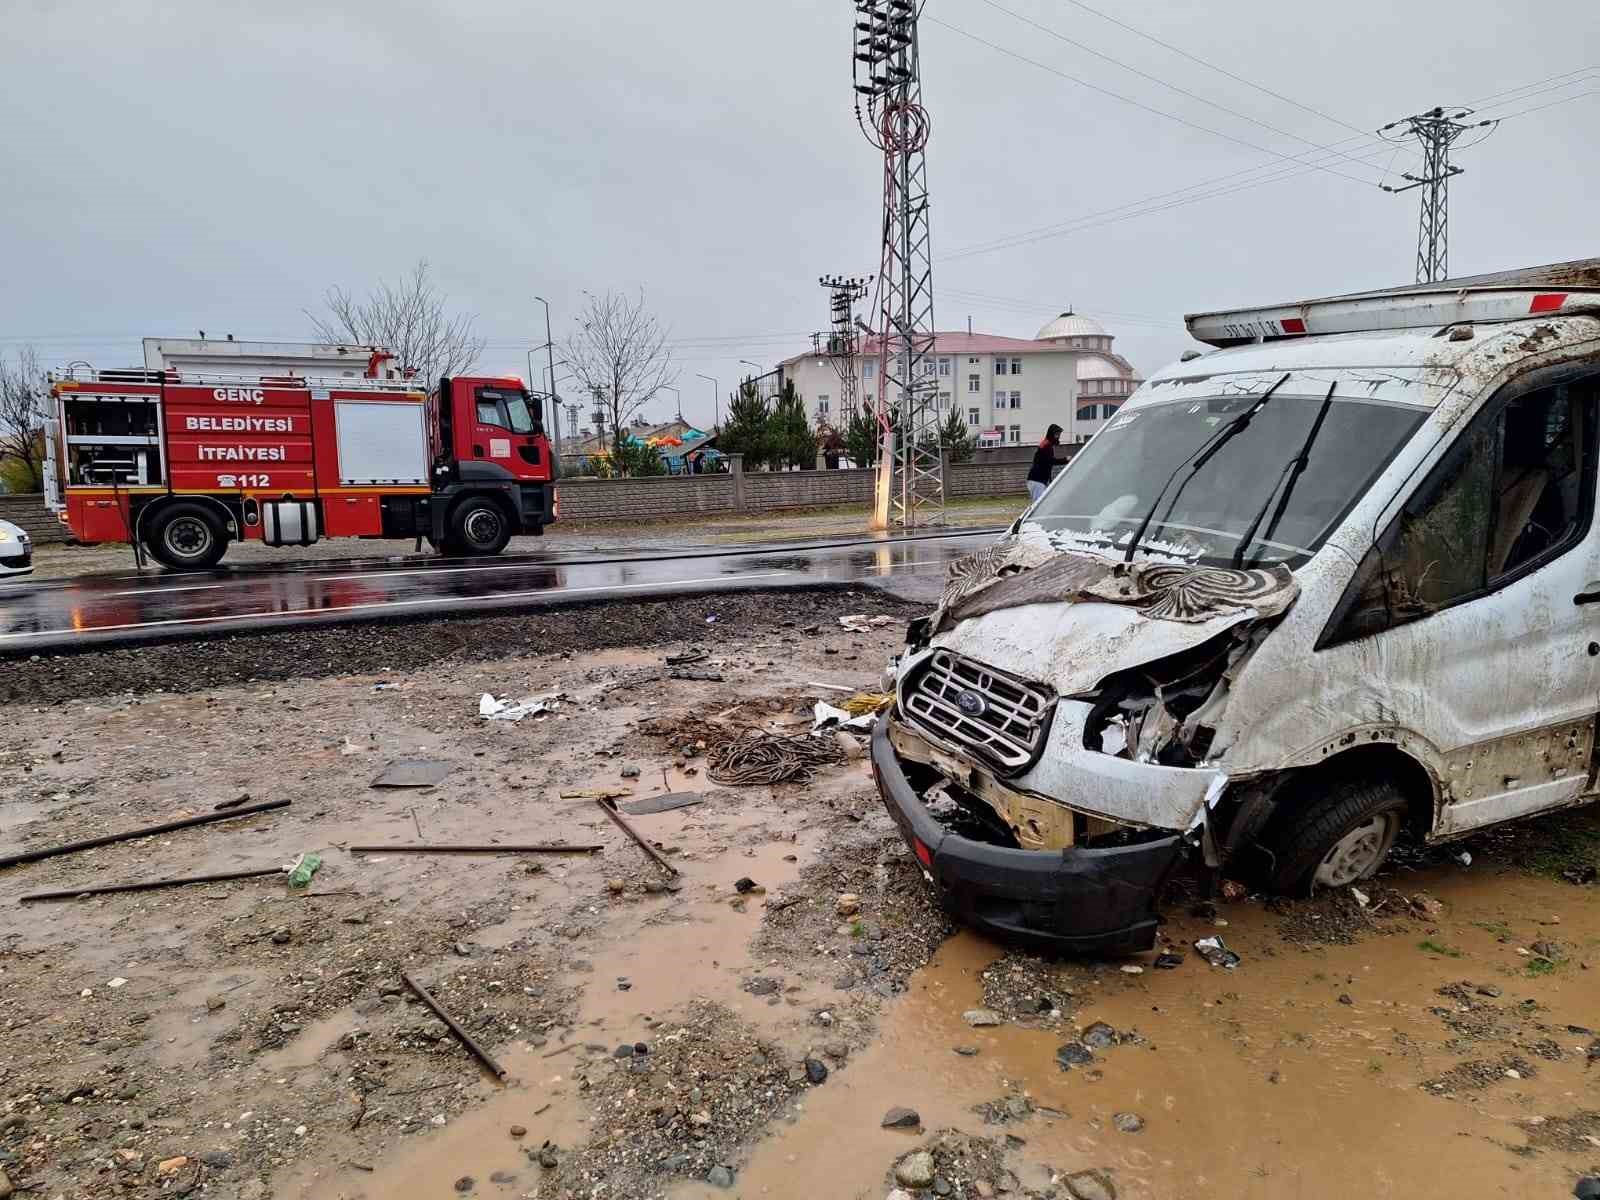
<point>1514,491</point>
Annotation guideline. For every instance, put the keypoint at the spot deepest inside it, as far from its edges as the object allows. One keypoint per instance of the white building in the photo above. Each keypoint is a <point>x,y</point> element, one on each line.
<point>1008,389</point>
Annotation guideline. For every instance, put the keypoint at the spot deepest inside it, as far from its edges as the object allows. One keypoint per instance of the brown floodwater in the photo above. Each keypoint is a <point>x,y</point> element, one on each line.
<point>1346,1116</point>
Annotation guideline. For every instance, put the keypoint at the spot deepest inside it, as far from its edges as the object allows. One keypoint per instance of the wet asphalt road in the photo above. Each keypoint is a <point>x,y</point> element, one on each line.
<point>119,608</point>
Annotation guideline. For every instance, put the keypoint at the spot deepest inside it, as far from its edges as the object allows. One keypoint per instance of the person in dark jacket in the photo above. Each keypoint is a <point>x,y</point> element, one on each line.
<point>1044,462</point>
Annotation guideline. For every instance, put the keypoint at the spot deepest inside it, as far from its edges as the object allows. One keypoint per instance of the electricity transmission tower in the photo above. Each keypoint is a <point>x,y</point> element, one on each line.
<point>1436,133</point>
<point>842,339</point>
<point>886,71</point>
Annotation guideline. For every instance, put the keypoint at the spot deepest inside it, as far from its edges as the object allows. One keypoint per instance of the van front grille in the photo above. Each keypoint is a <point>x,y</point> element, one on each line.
<point>998,716</point>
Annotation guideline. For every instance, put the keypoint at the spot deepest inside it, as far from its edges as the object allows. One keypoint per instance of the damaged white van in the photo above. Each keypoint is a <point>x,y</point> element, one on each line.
<point>1331,583</point>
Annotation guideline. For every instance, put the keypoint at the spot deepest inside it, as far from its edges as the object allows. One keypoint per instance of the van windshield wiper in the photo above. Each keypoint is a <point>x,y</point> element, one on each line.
<point>1203,454</point>
<point>1287,478</point>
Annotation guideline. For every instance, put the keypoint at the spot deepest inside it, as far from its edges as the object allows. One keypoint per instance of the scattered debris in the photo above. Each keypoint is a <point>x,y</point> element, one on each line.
<point>757,757</point>
<point>1214,952</point>
<point>491,709</point>
<point>1127,1122</point>
<point>412,773</point>
<point>28,856</point>
<point>304,868</point>
<point>667,802</point>
<point>861,623</point>
<point>465,1038</point>
<point>1167,961</point>
<point>826,716</point>
<point>655,855</point>
<point>847,905</point>
<point>899,1117</point>
<point>746,884</point>
<point>149,885</point>
<point>981,1018</point>
<point>867,702</point>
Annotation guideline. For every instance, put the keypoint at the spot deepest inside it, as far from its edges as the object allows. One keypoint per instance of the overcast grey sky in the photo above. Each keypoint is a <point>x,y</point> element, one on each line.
<point>174,166</point>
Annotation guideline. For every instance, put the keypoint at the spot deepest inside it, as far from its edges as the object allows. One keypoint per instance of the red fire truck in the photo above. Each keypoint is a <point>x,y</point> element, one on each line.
<point>184,461</point>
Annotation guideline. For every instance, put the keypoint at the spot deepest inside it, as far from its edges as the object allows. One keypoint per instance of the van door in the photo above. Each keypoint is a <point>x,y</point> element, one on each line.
<point>1484,599</point>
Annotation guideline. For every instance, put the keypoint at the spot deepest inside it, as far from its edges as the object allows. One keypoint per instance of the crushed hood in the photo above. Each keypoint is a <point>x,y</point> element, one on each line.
<point>1069,618</point>
<point>1072,647</point>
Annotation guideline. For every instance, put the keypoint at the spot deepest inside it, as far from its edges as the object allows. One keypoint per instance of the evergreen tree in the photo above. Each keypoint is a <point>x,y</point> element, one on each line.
<point>861,436</point>
<point>790,441</point>
<point>745,430</point>
<point>637,459</point>
<point>954,439</point>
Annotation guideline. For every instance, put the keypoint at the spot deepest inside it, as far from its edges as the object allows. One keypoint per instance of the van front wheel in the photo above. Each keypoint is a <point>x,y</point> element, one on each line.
<point>1341,839</point>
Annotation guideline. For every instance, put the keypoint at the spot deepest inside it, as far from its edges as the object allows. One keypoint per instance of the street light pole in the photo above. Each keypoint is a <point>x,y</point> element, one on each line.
<point>678,396</point>
<point>716,399</point>
<point>555,405</point>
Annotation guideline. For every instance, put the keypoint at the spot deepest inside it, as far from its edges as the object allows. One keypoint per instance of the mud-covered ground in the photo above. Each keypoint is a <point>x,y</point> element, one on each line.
<point>735,1029</point>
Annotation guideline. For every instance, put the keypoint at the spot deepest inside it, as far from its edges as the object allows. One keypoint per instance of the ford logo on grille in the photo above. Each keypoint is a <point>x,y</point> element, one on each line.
<point>972,703</point>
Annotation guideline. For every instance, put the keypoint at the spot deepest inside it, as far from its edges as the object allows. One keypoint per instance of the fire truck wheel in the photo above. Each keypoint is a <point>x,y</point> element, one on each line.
<point>478,526</point>
<point>188,537</point>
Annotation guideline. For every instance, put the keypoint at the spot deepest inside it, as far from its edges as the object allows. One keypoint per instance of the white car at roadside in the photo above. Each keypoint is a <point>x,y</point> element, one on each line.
<point>16,551</point>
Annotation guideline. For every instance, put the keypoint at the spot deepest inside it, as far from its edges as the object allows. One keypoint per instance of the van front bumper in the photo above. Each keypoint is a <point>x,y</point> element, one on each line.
<point>1077,900</point>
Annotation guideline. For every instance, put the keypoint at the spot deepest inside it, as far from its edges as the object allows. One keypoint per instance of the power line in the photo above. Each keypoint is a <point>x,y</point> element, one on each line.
<point>1129,67</point>
<point>1139,104</point>
<point>1148,205</point>
<point>1210,66</point>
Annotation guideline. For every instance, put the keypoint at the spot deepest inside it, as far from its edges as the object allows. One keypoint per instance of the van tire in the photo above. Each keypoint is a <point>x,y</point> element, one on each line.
<point>188,537</point>
<point>1342,838</point>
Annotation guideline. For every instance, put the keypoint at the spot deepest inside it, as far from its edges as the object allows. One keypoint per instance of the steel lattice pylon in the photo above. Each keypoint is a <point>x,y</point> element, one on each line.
<point>889,110</point>
<point>841,341</point>
<point>1436,133</point>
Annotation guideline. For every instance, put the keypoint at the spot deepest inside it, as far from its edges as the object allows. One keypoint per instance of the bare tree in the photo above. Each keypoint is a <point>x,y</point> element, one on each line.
<point>23,395</point>
<point>620,357</point>
<point>408,319</point>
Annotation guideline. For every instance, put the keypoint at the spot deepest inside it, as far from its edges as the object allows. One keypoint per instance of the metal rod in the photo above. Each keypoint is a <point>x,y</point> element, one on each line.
<point>148,885</point>
<point>466,1038</point>
<point>28,856</point>
<point>475,849</point>
<point>606,807</point>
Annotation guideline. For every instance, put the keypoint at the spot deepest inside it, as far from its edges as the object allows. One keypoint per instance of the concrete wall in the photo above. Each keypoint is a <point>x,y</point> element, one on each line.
<point>666,495</point>
<point>763,491</point>
<point>29,512</point>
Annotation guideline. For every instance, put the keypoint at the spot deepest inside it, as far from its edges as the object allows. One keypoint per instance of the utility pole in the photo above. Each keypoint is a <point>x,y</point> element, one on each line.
<point>843,341</point>
<point>1436,132</point>
<point>555,400</point>
<point>886,66</point>
<point>716,399</point>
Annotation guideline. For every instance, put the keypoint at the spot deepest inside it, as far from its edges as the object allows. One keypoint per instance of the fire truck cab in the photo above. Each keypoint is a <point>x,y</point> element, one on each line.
<point>182,459</point>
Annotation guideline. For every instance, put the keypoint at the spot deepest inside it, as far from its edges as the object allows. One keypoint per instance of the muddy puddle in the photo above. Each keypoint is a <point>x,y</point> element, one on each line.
<point>671,947</point>
<point>1257,1082</point>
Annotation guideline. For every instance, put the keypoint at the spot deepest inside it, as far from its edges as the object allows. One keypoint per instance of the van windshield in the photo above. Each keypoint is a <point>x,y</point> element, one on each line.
<point>1247,500</point>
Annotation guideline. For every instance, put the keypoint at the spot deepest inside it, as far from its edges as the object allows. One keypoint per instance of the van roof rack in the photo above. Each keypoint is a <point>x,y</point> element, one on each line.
<point>1499,296</point>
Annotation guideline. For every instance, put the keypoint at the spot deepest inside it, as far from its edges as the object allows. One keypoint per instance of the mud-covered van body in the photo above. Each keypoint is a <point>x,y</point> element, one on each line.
<point>1334,581</point>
